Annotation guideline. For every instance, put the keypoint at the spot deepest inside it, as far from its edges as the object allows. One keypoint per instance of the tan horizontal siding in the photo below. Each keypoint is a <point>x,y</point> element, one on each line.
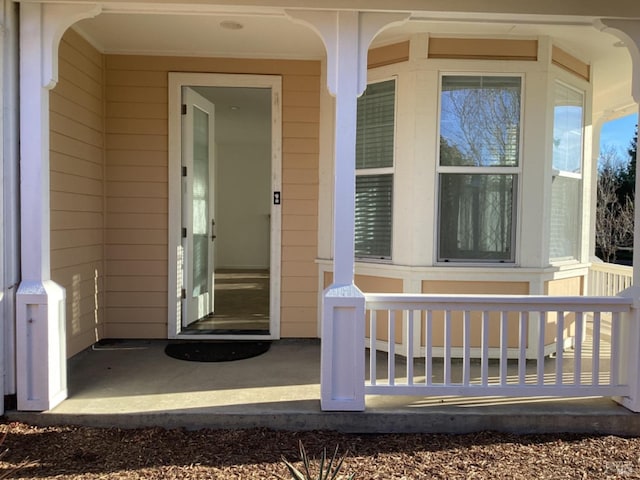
<point>136,187</point>
<point>124,110</point>
<point>570,63</point>
<point>75,148</point>
<point>137,190</point>
<point>80,113</point>
<point>79,167</point>
<point>136,284</point>
<point>136,237</point>
<point>139,252</point>
<point>139,205</point>
<point>388,55</point>
<point>483,49</point>
<point>68,201</point>
<point>137,159</point>
<point>61,239</point>
<point>77,189</point>
<point>137,268</point>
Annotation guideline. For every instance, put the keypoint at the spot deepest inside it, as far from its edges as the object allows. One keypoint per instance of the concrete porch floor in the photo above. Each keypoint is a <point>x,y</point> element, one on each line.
<point>135,384</point>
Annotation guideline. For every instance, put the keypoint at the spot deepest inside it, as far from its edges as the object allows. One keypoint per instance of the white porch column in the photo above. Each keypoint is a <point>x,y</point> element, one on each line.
<point>629,32</point>
<point>40,303</point>
<point>346,36</point>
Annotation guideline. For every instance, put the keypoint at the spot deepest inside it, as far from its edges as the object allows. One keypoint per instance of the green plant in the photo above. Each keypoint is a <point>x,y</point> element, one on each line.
<point>328,472</point>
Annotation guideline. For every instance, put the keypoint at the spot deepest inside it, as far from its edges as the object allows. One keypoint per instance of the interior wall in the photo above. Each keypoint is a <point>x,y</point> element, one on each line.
<point>77,179</point>
<point>243,186</point>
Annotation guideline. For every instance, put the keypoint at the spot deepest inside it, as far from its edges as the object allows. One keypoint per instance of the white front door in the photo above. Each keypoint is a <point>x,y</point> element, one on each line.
<point>198,223</point>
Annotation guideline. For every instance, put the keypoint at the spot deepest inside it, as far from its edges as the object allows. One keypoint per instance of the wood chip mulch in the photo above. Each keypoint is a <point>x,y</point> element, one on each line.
<point>154,453</point>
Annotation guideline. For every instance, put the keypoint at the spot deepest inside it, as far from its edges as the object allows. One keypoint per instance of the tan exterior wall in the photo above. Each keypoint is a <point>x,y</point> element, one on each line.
<point>77,195</point>
<point>475,288</point>
<point>137,191</point>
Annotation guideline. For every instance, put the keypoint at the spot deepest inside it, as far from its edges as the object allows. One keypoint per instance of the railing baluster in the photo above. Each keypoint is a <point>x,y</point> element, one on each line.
<point>541,340</point>
<point>559,346</point>
<point>504,345</point>
<point>615,349</point>
<point>447,347</point>
<point>373,353</point>
<point>595,356</point>
<point>577,351</point>
<point>428,349</point>
<point>485,348</point>
<point>522,347</point>
<point>409,341</point>
<point>391,358</point>
<point>466,344</point>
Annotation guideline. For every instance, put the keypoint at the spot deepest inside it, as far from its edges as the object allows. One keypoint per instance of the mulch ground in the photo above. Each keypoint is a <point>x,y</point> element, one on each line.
<point>154,453</point>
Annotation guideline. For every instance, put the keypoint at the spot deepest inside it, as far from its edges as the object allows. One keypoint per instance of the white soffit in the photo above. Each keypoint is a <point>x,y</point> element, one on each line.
<point>270,34</point>
<point>201,35</point>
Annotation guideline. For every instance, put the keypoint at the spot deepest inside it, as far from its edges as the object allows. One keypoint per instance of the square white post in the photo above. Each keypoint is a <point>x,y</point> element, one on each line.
<point>629,354</point>
<point>40,302</point>
<point>346,36</point>
<point>629,32</point>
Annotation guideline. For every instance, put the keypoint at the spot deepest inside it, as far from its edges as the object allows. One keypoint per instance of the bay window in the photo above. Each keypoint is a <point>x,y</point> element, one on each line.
<point>374,171</point>
<point>478,167</point>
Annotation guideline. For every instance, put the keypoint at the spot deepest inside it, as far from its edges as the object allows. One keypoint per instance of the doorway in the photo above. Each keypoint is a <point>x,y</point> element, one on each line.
<point>224,209</point>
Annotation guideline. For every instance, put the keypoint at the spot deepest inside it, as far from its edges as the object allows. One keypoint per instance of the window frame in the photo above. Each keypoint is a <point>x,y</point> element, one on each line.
<point>375,171</point>
<point>516,171</point>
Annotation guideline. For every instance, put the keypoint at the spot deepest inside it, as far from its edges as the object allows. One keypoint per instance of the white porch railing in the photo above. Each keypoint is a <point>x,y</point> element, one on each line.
<point>595,364</point>
<point>608,279</point>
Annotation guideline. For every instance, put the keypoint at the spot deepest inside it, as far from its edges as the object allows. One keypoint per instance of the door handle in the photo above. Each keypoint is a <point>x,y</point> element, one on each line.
<point>213,223</point>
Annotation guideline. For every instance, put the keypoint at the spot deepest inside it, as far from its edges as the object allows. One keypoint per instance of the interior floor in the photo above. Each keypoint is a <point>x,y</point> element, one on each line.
<point>241,304</point>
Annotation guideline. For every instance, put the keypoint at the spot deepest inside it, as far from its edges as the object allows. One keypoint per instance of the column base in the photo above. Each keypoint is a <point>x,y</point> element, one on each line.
<point>41,356</point>
<point>342,373</point>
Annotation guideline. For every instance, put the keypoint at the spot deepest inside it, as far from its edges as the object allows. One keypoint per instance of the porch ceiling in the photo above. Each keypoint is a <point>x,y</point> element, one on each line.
<point>271,34</point>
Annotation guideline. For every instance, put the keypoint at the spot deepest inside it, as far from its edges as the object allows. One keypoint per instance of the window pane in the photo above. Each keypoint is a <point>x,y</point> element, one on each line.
<point>375,126</point>
<point>565,218</point>
<point>476,217</point>
<point>200,197</point>
<point>567,129</point>
<point>374,195</point>
<point>480,121</point>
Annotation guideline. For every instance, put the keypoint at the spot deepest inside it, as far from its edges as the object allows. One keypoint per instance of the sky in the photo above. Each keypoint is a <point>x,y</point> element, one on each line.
<point>618,133</point>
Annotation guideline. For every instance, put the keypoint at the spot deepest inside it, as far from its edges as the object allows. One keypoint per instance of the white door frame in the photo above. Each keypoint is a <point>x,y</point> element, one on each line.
<point>176,81</point>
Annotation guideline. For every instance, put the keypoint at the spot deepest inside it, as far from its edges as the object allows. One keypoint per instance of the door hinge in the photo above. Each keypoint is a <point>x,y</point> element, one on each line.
<point>183,294</point>
<point>184,232</point>
<point>184,171</point>
<point>184,109</point>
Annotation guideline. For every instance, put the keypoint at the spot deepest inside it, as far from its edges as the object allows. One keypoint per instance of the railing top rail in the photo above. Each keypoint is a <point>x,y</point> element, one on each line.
<point>518,302</point>
<point>611,268</point>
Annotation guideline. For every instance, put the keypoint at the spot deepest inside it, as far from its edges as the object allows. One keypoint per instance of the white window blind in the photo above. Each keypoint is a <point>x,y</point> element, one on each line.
<point>374,171</point>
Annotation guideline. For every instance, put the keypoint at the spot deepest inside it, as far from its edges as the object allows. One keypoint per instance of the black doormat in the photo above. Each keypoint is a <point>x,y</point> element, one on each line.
<point>216,351</point>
